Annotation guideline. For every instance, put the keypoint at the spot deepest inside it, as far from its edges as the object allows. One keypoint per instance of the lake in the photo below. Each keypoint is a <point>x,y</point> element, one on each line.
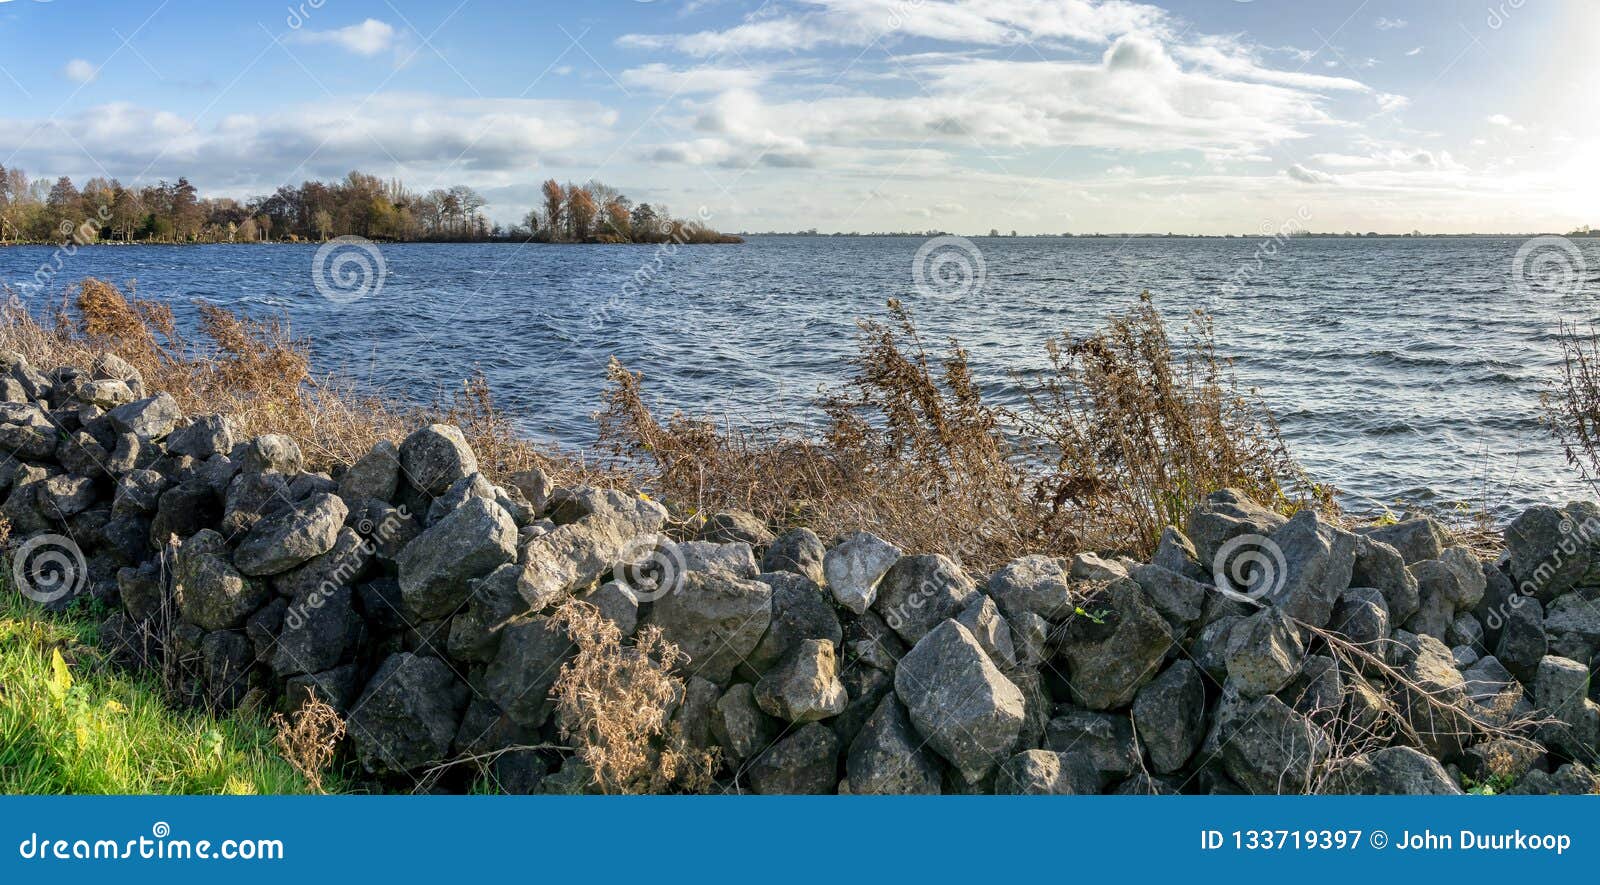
<point>1401,369</point>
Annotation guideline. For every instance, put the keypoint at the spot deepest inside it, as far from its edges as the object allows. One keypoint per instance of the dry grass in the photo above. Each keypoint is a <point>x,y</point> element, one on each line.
<point>1572,406</point>
<point>1123,437</point>
<point>615,703</point>
<point>308,738</point>
<point>259,372</point>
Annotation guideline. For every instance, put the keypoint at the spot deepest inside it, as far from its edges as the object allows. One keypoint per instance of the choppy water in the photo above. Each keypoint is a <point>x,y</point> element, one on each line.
<point>1401,369</point>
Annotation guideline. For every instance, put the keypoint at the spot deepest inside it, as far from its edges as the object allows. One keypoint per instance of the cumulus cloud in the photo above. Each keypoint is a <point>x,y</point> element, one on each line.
<point>686,81</point>
<point>1308,176</point>
<point>368,38</point>
<point>1390,24</point>
<point>80,71</point>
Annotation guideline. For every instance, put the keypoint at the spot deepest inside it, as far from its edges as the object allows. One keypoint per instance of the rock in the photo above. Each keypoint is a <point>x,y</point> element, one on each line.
<point>21,508</point>
<point>1432,693</point>
<point>804,686</point>
<point>1030,635</point>
<point>1041,585</point>
<point>1264,652</point>
<point>735,526</point>
<point>138,491</point>
<point>983,620</point>
<point>492,602</point>
<point>1115,648</point>
<point>1176,553</point>
<point>800,611</point>
<point>868,639</point>
<point>1549,551</point>
<point>336,687</point>
<point>1319,560</point>
<point>407,715</point>
<point>576,555</point>
<point>109,366</point>
<point>525,668</point>
<point>1106,738</point>
<point>617,603</point>
<point>1092,567</point>
<point>203,437</point>
<point>1568,780</point>
<point>1392,771</point>
<point>535,486</point>
<point>965,708</point>
<point>286,538</point>
<point>865,687</point>
<point>887,756</point>
<point>799,551</point>
<point>225,657</point>
<point>211,593</point>
<point>250,496</point>
<point>1572,627</point>
<point>920,591</point>
<point>65,496</point>
<point>1382,567</point>
<point>1561,689</point>
<point>375,477</point>
<point>435,457</point>
<point>735,560</point>
<point>854,567</point>
<point>1143,784</point>
<point>1177,598</point>
<point>434,569</point>
<point>639,514</point>
<point>1491,686</point>
<point>1170,714</point>
<point>1414,539</point>
<point>1045,773</point>
<point>1523,642</point>
<point>317,627</point>
<point>692,718</point>
<point>149,419</point>
<point>1270,749</point>
<point>1465,630</point>
<point>738,724</point>
<point>1500,759</point>
<point>716,620</point>
<point>1362,616</point>
<point>1227,514</point>
<point>804,763</point>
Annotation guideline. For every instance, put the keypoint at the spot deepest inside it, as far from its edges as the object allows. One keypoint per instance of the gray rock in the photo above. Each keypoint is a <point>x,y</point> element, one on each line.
<point>887,756</point>
<point>492,602</point>
<point>21,508</point>
<point>1030,638</point>
<point>1392,771</point>
<point>407,715</point>
<point>435,457</point>
<point>65,496</point>
<point>734,559</point>
<point>1362,616</point>
<point>1093,567</point>
<point>341,566</point>
<point>1431,695</point>
<point>149,419</point>
<point>79,453</point>
<point>1106,738</point>
<point>1046,773</point>
<point>575,556</point>
<point>1170,714</point>
<point>1179,599</point>
<point>434,569</point>
<point>1319,560</point>
<point>1041,585</point>
<point>735,526</point>
<point>250,496</point>
<point>1561,689</point>
<point>474,486</point>
<point>716,620</point>
<point>983,620</point>
<point>1316,691</point>
<point>738,724</point>
<point>617,603</point>
<point>203,437</point>
<point>286,538</point>
<point>1115,648</point>
<point>800,611</point>
<point>1572,627</point>
<point>1270,749</point>
<point>106,393</point>
<point>639,514</point>
<point>799,551</point>
<point>804,763</point>
<point>1380,566</point>
<point>138,491</point>
<point>854,567</point>
<point>1176,553</point>
<point>211,593</point>
<point>1414,539</point>
<point>1264,653</point>
<point>1523,642</point>
<point>535,486</point>
<point>1549,551</point>
<point>1227,514</point>
<point>317,627</point>
<point>1465,630</point>
<point>965,708</point>
<point>919,592</point>
<point>804,686</point>
<point>525,668</point>
<point>375,477</point>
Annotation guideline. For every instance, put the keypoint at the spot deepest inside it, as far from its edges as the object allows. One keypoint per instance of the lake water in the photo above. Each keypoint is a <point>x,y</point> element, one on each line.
<point>1401,369</point>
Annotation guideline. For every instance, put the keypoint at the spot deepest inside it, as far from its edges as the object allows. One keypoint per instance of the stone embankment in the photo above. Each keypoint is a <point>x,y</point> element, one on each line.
<point>1253,653</point>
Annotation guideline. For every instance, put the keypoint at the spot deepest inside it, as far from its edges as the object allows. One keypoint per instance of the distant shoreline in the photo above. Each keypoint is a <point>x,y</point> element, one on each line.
<point>726,240</point>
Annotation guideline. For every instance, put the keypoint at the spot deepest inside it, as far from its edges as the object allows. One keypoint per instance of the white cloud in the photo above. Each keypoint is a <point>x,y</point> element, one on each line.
<point>685,81</point>
<point>1308,176</point>
<point>1390,24</point>
<point>368,38</point>
<point>80,71</point>
<point>1415,51</point>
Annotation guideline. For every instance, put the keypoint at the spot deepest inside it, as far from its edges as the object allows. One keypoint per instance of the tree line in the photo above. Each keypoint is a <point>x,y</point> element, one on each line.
<point>104,210</point>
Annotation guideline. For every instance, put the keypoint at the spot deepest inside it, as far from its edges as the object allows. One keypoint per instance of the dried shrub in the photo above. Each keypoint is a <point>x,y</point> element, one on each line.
<point>1121,438</point>
<point>258,371</point>
<point>1572,407</point>
<point>614,702</point>
<point>308,737</point>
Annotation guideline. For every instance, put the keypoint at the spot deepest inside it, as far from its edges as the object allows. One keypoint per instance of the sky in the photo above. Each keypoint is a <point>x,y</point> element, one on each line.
<point>1042,116</point>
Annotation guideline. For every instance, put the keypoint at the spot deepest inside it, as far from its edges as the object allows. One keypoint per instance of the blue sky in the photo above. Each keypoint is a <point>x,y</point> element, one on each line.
<point>1203,116</point>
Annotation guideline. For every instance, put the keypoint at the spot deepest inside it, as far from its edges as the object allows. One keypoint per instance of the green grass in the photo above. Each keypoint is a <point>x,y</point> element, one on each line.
<point>71,723</point>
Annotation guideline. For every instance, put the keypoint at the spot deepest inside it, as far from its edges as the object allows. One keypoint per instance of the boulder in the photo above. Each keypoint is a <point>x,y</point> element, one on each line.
<point>492,602</point>
<point>1170,714</point>
<point>203,437</point>
<point>983,620</point>
<point>1176,553</point>
<point>1392,771</point>
<point>184,509</point>
<point>407,715</point>
<point>734,559</point>
<point>435,457</point>
<point>1561,689</point>
<point>1269,749</point>
<point>617,603</point>
<point>854,567</point>
<point>211,593</point>
<point>919,592</point>
<point>149,419</point>
<point>575,556</point>
<point>800,611</point>
<point>1549,550</point>
<point>799,551</point>
<point>965,708</point>
<point>738,724</point>
<point>288,537</point>
<point>716,620</point>
<point>1179,599</point>
<point>525,668</point>
<point>1381,567</point>
<point>1041,585</point>
<point>1319,560</point>
<point>1523,642</point>
<point>804,686</point>
<point>1264,652</point>
<point>1226,514</point>
<point>375,477</point>
<point>1046,773</point>
<point>804,763</point>
<point>436,568</point>
<point>1572,627</point>
<point>1115,647</point>
<point>1362,616</point>
<point>735,526</point>
<point>1414,539</point>
<point>887,756</point>
<point>317,628</point>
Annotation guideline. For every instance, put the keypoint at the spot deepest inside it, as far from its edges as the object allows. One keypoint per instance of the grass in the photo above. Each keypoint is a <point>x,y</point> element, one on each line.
<point>70,723</point>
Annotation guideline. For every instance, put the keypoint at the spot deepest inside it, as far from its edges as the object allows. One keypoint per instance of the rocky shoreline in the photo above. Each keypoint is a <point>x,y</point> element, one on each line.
<point>1254,653</point>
